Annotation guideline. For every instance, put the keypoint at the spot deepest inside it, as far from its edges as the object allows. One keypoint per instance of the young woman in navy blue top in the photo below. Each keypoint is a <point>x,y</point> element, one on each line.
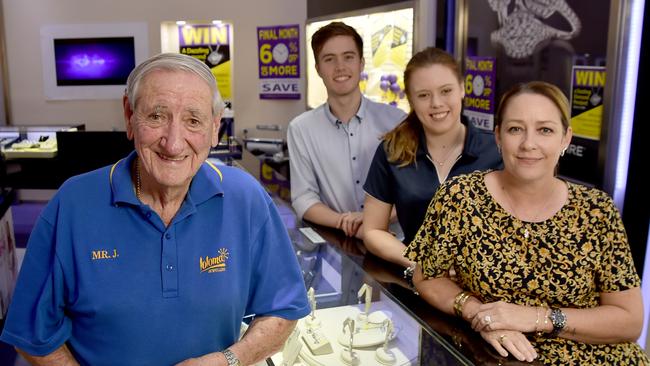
<point>429,146</point>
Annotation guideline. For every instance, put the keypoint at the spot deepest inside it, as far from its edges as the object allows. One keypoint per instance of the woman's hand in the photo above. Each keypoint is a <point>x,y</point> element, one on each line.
<point>511,342</point>
<point>501,315</point>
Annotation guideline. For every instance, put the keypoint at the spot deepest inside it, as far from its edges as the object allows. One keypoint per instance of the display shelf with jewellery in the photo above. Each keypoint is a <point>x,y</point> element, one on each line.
<point>354,319</point>
<point>43,157</point>
<point>31,142</point>
<point>371,333</point>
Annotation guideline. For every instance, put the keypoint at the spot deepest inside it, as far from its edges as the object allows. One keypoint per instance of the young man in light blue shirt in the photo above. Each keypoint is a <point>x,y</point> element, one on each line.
<point>331,147</point>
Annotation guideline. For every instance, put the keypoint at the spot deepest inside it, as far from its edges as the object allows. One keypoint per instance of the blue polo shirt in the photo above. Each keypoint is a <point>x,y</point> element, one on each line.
<point>104,274</point>
<point>411,188</point>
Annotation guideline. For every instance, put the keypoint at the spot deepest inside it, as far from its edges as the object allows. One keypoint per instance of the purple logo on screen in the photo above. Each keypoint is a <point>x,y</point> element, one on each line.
<point>93,61</point>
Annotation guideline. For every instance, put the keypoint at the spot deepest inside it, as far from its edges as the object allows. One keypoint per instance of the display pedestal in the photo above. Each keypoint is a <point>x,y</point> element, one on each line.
<point>368,339</point>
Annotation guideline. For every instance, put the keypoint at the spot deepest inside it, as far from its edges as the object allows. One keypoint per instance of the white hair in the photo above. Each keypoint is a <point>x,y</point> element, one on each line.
<point>173,62</point>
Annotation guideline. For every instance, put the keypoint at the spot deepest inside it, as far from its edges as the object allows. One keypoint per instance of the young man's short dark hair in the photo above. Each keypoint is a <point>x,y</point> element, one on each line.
<point>331,30</point>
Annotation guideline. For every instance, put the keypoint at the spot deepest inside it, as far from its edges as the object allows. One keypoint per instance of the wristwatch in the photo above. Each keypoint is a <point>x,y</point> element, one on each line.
<point>231,358</point>
<point>408,276</point>
<point>558,320</point>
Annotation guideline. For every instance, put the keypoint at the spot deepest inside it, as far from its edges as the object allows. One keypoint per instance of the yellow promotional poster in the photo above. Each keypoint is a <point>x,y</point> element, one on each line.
<point>210,43</point>
<point>580,161</point>
<point>587,90</point>
<point>388,46</point>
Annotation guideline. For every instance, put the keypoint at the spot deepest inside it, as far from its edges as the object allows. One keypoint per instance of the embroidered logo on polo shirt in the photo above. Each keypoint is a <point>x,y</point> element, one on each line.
<point>214,264</point>
<point>104,254</point>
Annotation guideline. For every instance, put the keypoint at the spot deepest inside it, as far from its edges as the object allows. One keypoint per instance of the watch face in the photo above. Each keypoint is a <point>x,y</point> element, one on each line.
<point>478,85</point>
<point>558,320</point>
<point>280,53</point>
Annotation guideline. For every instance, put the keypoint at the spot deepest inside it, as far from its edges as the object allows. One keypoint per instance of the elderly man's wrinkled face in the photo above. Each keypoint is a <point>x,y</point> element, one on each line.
<point>172,126</point>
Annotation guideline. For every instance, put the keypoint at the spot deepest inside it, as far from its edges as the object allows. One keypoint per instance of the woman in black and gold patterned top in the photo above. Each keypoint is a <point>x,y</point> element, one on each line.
<point>544,270</point>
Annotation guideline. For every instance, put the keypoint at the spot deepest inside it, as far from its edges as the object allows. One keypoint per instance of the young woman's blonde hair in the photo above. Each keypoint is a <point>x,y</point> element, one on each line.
<point>401,143</point>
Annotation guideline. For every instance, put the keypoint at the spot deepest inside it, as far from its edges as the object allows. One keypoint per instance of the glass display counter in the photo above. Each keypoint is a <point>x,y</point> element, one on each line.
<point>337,267</point>
<point>31,141</point>
<point>352,308</point>
<point>43,157</point>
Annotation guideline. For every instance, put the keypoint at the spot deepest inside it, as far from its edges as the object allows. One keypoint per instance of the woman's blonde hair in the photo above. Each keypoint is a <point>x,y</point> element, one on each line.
<point>401,143</point>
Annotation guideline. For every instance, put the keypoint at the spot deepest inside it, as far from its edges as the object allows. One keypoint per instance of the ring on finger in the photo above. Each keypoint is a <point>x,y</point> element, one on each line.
<point>487,319</point>
<point>502,338</point>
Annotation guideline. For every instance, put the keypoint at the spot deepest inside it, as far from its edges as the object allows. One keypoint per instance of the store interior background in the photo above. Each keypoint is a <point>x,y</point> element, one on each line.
<point>25,105</point>
<point>24,19</point>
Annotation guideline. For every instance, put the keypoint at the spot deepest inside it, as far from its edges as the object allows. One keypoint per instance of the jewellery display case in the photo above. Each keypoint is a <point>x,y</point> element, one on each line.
<point>63,151</point>
<point>349,301</point>
<point>31,142</point>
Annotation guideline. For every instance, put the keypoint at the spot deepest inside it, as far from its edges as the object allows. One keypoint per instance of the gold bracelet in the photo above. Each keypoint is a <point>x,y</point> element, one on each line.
<point>541,331</point>
<point>459,302</point>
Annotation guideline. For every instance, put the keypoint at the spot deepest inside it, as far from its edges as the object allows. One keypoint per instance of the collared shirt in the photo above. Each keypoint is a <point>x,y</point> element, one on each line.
<point>103,273</point>
<point>330,159</point>
<point>411,188</point>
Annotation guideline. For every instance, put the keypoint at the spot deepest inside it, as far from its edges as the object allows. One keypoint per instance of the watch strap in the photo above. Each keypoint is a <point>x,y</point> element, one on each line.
<point>408,276</point>
<point>558,320</point>
<point>231,358</point>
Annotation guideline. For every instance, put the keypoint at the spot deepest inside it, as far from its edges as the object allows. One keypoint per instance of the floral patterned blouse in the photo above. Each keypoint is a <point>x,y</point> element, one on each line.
<point>565,261</point>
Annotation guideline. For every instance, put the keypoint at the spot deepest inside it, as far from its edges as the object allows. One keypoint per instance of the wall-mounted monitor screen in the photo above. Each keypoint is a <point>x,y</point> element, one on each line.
<point>90,61</point>
<point>94,61</point>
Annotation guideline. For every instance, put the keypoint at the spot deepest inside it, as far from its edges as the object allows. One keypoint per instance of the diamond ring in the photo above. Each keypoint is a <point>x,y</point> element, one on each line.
<point>487,319</point>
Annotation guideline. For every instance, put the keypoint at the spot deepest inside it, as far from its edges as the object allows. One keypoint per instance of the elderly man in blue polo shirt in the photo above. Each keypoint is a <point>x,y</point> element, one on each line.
<point>156,259</point>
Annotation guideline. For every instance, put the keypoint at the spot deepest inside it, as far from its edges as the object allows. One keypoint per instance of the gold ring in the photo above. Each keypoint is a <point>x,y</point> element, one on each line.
<point>502,337</point>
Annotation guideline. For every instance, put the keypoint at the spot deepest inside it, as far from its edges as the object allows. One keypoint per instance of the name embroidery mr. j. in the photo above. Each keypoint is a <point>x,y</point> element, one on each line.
<point>214,264</point>
<point>104,254</point>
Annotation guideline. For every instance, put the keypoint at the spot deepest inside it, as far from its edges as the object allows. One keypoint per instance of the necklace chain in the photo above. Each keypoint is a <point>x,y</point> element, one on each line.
<point>535,218</point>
<point>452,148</point>
<point>444,161</point>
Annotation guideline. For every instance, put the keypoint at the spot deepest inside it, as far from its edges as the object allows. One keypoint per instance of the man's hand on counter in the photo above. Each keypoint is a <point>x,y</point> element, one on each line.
<point>351,224</point>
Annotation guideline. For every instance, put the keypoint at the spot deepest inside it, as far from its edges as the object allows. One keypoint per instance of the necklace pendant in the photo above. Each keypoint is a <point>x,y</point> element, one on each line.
<point>526,233</point>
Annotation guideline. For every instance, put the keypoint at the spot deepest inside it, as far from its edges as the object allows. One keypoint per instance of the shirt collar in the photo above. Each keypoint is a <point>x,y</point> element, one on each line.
<point>361,113</point>
<point>207,182</point>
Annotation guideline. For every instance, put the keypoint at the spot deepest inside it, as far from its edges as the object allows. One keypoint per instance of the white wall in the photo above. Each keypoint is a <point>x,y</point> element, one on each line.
<point>24,18</point>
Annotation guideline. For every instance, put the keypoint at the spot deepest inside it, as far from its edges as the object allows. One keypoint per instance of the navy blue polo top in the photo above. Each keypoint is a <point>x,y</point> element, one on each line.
<point>411,187</point>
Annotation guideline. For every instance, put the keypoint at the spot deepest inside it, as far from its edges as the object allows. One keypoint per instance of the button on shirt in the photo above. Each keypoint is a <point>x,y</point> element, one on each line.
<point>330,159</point>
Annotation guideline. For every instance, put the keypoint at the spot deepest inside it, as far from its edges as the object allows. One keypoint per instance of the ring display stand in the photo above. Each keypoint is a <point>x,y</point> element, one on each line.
<point>398,349</point>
